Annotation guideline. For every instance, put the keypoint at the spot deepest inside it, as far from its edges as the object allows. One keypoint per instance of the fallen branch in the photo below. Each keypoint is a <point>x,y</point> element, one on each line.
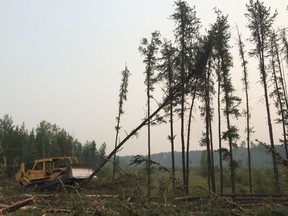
<point>57,210</point>
<point>101,196</point>
<point>17,205</point>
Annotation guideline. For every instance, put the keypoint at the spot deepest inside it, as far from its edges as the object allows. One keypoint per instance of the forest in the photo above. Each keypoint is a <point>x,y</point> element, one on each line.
<point>195,72</point>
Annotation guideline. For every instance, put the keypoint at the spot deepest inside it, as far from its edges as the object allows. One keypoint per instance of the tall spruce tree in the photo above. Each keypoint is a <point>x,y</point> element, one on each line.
<point>187,27</point>
<point>209,91</point>
<point>260,22</point>
<point>122,97</point>
<point>167,75</point>
<point>215,29</point>
<point>206,91</point>
<point>245,81</point>
<point>278,94</point>
<point>149,51</point>
<point>231,102</point>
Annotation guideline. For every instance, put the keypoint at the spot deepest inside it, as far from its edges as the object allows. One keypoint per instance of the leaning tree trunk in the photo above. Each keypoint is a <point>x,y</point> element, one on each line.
<point>188,135</point>
<point>283,106</point>
<point>209,140</point>
<point>274,159</point>
<point>246,87</point>
<point>280,104</point>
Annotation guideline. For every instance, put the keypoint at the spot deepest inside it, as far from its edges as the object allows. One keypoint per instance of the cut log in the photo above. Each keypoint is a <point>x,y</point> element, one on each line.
<point>101,196</point>
<point>17,205</point>
<point>57,210</point>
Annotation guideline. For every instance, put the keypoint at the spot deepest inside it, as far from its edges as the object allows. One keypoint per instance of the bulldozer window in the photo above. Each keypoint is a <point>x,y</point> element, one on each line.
<point>38,166</point>
<point>62,163</point>
<point>49,165</point>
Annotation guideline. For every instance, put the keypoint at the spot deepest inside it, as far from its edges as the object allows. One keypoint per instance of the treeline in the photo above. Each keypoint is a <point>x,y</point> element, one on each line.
<point>260,158</point>
<point>18,144</point>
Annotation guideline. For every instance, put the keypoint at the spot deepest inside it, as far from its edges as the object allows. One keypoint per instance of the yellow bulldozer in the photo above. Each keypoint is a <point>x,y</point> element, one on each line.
<point>49,173</point>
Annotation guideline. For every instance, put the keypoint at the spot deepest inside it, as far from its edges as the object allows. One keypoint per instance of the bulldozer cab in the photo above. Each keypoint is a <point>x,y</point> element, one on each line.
<point>38,171</point>
<point>48,166</point>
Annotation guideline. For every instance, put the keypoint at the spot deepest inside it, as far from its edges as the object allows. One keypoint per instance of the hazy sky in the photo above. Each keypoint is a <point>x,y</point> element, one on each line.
<point>60,61</point>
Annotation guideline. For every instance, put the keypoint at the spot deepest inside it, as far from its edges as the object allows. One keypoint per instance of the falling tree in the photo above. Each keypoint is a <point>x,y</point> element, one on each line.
<point>122,97</point>
<point>260,21</point>
<point>200,65</point>
<point>149,51</point>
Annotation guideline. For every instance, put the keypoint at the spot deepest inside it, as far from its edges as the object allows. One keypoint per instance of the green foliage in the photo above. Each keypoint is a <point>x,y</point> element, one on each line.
<point>149,51</point>
<point>260,21</point>
<point>122,97</point>
<point>47,140</point>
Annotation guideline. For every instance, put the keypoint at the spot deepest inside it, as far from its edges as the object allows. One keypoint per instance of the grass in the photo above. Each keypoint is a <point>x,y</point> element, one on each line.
<point>131,191</point>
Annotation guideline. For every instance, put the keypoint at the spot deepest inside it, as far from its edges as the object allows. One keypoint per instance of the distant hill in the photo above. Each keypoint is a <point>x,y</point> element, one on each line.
<point>259,157</point>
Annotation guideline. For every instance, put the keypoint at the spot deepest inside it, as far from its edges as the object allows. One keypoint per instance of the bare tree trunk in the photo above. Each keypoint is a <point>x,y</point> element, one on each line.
<point>274,160</point>
<point>280,102</point>
<point>209,142</point>
<point>116,140</point>
<point>182,112</point>
<point>213,181</point>
<point>219,129</point>
<point>231,160</point>
<point>172,144</point>
<point>188,136</point>
<point>207,132</point>
<point>283,105</point>
<point>149,141</point>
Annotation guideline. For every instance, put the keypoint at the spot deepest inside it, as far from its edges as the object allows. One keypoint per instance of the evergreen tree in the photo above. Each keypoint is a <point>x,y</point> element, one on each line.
<point>260,24</point>
<point>149,51</point>
<point>90,154</point>
<point>122,97</point>
<point>167,74</point>
<point>43,138</point>
<point>7,140</point>
<point>231,102</point>
<point>3,164</point>
<point>187,27</point>
<point>247,111</point>
<point>208,113</point>
<point>279,90</point>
